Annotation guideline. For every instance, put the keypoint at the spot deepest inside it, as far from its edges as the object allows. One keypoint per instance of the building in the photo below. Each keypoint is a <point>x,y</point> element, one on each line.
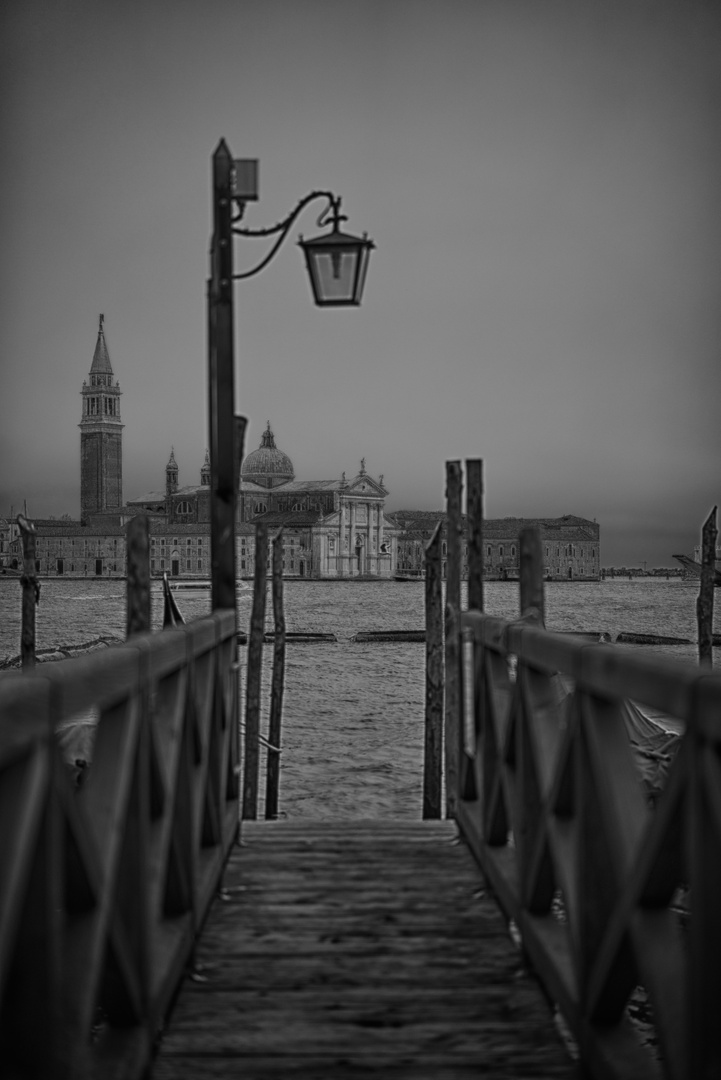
<point>101,438</point>
<point>571,545</point>
<point>334,528</point>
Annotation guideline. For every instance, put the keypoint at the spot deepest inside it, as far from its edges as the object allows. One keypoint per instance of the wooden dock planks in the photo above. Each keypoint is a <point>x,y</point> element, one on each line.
<point>357,949</point>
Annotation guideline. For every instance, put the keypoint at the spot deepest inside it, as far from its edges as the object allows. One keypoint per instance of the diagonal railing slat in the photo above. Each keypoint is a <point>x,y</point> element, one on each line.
<point>104,887</point>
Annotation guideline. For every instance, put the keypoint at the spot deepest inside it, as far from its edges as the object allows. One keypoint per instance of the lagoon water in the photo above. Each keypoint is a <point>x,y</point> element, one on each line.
<point>353,717</point>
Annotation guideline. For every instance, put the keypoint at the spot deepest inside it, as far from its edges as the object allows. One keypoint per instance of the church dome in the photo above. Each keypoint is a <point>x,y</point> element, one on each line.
<point>267,466</point>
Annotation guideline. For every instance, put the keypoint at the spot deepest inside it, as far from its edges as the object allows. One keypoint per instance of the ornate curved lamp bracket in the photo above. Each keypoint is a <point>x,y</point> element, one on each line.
<point>331,214</point>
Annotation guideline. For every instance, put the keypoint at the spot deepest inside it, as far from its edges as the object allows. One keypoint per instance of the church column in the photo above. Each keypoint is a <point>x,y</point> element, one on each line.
<point>339,566</point>
<point>351,538</point>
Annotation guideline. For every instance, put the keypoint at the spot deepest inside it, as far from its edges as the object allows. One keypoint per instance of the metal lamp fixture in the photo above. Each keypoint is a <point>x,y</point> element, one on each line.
<point>337,264</point>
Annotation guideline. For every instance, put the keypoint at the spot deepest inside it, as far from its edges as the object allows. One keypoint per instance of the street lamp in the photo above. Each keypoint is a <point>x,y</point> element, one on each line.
<point>337,263</point>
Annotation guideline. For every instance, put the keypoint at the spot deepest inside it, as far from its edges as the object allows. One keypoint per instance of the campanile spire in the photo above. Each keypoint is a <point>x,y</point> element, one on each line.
<point>101,436</point>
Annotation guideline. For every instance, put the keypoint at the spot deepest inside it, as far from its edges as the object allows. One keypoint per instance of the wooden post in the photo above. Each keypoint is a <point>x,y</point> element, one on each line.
<point>704,603</point>
<point>31,593</point>
<point>453,726</point>
<point>433,746</point>
<point>137,619</point>
<point>253,677</point>
<point>531,575</point>
<point>272,780</point>
<point>474,505</point>
<point>221,387</point>
<point>241,423</point>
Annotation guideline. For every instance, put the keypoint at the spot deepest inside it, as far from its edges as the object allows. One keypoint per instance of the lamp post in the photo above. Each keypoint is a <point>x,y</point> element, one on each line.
<point>337,263</point>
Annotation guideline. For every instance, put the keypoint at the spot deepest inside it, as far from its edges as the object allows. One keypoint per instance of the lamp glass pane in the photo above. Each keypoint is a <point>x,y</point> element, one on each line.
<point>335,274</point>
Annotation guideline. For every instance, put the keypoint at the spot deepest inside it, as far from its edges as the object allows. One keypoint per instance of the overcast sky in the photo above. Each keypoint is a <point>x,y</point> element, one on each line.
<point>541,180</point>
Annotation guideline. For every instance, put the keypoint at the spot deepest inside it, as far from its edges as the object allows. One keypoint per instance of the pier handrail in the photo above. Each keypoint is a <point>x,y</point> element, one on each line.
<point>104,887</point>
<point>551,803</point>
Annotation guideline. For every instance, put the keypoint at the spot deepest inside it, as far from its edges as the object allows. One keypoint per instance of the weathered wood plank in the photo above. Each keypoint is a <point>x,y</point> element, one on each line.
<point>365,949</point>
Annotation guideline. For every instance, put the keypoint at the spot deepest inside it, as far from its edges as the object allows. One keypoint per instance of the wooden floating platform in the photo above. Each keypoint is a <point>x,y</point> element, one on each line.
<point>651,639</point>
<point>389,635</point>
<point>358,949</point>
<point>290,637</point>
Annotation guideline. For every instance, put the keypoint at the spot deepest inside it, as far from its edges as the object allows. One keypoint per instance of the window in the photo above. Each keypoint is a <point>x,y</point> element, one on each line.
<point>500,552</point>
<point>200,542</point>
<point>297,506</point>
<point>200,564</point>
<point>189,541</point>
<point>260,508</point>
<point>513,550</point>
<point>175,541</point>
<point>488,551</point>
<point>162,564</point>
<point>187,564</point>
<point>242,564</point>
<point>152,564</point>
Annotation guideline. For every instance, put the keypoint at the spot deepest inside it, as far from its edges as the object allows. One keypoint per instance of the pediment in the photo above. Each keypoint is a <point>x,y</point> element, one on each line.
<point>365,485</point>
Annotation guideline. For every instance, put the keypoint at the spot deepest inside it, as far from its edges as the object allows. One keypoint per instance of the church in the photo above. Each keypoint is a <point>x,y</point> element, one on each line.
<point>333,529</point>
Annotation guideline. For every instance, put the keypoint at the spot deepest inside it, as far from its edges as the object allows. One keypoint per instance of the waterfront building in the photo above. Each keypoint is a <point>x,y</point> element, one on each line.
<point>332,528</point>
<point>571,546</point>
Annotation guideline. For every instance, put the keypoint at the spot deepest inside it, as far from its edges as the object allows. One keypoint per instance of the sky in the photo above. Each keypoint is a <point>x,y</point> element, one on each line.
<point>542,184</point>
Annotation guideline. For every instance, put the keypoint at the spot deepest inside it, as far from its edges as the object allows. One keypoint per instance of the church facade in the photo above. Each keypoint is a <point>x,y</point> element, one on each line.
<point>333,528</point>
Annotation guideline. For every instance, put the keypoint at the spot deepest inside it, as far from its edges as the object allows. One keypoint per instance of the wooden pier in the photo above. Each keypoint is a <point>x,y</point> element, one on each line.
<point>354,949</point>
<point>139,939</point>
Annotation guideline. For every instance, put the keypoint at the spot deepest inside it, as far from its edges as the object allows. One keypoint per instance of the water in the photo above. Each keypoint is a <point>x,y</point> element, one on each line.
<point>353,720</point>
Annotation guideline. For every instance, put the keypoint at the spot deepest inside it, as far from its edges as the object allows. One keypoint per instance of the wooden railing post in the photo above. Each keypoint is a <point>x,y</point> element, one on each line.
<point>433,744</point>
<point>531,575</point>
<point>138,585</point>
<point>474,505</point>
<point>704,603</point>
<point>253,679</point>
<point>453,725</point>
<point>276,690</point>
<point>31,593</point>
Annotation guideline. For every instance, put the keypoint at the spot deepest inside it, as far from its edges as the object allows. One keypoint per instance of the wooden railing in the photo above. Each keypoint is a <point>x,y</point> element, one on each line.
<point>551,802</point>
<point>104,886</point>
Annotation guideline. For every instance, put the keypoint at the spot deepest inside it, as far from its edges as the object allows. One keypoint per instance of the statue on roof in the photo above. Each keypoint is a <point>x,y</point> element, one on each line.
<point>363,466</point>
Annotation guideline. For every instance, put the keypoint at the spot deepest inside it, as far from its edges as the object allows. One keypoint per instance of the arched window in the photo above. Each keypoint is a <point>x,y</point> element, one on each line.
<point>513,551</point>
<point>500,552</point>
<point>260,508</point>
<point>297,507</point>
<point>444,548</point>
<point>488,551</point>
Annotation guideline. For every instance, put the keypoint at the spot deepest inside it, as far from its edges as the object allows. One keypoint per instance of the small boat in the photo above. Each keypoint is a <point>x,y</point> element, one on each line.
<point>171,612</point>
<point>189,586</point>
<point>693,568</point>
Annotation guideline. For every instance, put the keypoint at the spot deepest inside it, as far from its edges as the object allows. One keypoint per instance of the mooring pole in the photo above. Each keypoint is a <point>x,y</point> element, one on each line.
<point>704,603</point>
<point>272,780</point>
<point>31,592</point>
<point>221,387</point>
<point>531,575</point>
<point>253,677</point>
<point>453,725</point>
<point>474,506</point>
<point>433,742</point>
<point>138,585</point>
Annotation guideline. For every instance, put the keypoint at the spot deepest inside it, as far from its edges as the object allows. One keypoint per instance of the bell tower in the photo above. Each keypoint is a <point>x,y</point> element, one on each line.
<point>101,437</point>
